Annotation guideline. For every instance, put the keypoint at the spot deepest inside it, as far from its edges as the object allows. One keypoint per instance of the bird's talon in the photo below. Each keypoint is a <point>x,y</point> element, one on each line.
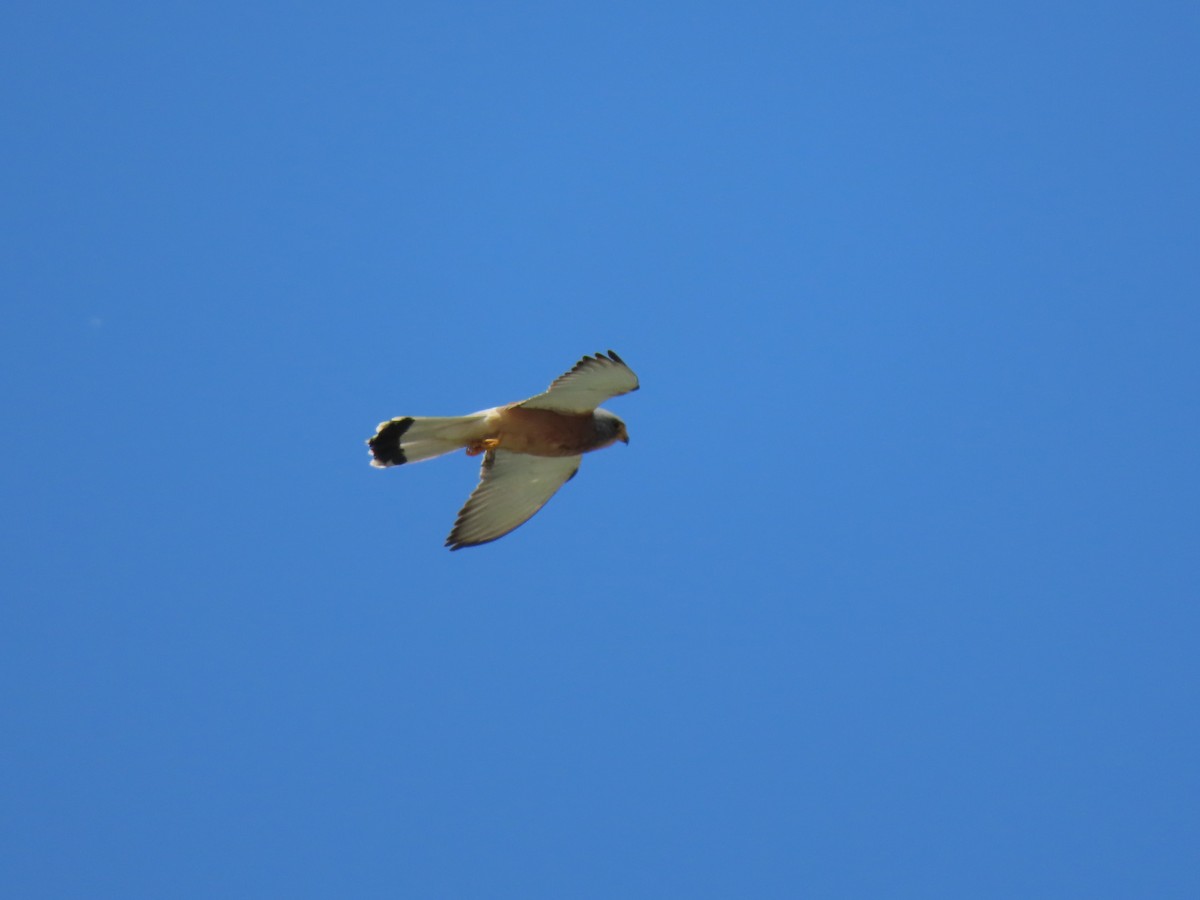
<point>480,446</point>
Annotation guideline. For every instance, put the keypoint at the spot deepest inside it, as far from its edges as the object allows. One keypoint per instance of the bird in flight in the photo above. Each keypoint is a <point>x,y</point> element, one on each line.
<point>530,448</point>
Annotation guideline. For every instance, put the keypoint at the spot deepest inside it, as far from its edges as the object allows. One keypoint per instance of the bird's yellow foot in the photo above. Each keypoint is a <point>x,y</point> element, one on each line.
<point>480,446</point>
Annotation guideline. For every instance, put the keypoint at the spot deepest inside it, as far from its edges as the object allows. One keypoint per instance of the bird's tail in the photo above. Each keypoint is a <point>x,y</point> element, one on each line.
<point>415,438</point>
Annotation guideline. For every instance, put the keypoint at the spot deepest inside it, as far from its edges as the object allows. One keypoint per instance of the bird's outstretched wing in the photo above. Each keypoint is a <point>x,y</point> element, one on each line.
<point>512,487</point>
<point>593,380</point>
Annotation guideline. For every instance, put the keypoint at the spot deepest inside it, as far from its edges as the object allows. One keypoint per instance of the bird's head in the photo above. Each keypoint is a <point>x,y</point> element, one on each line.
<point>610,427</point>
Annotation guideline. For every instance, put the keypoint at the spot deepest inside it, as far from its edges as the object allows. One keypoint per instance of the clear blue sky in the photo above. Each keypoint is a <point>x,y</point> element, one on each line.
<point>894,592</point>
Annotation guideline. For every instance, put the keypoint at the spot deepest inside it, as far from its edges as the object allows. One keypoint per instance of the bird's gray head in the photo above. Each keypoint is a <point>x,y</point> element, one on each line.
<point>609,428</point>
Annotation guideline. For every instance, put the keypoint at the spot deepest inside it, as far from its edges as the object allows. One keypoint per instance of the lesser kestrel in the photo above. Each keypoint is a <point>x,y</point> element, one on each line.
<point>530,448</point>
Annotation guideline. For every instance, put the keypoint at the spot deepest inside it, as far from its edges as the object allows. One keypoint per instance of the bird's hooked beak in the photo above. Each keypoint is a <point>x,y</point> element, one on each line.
<point>623,437</point>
